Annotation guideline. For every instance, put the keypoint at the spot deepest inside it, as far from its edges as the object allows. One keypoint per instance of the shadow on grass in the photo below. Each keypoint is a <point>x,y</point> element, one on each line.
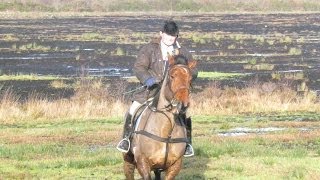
<point>194,167</point>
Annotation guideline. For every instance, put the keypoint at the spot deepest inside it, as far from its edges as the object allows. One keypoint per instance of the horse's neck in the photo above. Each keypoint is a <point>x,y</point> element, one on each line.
<point>162,119</point>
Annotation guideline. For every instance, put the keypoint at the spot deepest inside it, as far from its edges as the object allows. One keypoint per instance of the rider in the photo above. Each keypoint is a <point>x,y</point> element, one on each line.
<point>149,68</point>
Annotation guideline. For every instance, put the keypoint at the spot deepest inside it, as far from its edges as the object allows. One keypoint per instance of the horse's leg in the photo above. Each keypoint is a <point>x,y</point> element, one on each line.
<point>173,170</point>
<point>128,165</point>
<point>144,168</point>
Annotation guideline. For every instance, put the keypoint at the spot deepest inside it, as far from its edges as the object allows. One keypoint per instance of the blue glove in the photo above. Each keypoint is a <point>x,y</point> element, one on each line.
<point>150,82</point>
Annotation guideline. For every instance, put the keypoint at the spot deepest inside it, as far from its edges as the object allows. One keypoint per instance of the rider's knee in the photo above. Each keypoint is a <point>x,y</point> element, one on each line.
<point>134,106</point>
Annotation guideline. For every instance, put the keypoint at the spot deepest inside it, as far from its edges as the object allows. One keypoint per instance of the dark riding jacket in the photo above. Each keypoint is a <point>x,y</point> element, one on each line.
<point>150,63</point>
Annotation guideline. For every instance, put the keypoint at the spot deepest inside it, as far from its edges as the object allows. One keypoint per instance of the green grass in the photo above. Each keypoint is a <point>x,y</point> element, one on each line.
<point>157,5</point>
<point>59,149</point>
<point>85,148</point>
<point>28,77</point>
<point>294,51</point>
<point>92,36</point>
<point>218,75</point>
<point>34,47</point>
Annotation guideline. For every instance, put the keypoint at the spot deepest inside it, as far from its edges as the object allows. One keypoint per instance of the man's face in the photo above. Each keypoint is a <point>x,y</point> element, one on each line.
<point>167,39</point>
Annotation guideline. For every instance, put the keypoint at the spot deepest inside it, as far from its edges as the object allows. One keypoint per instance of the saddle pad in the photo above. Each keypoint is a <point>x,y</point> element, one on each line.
<point>137,121</point>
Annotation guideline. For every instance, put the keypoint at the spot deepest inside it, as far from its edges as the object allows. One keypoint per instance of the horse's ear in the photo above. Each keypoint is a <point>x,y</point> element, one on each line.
<point>170,59</point>
<point>192,64</point>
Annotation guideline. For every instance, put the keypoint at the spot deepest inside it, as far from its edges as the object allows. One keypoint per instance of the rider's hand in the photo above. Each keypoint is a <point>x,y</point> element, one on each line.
<point>150,82</point>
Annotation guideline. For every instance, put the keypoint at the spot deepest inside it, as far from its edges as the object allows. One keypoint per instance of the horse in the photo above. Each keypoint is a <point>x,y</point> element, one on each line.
<point>159,139</point>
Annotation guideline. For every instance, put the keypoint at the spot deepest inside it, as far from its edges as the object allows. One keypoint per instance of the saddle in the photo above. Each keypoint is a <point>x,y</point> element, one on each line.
<point>151,102</point>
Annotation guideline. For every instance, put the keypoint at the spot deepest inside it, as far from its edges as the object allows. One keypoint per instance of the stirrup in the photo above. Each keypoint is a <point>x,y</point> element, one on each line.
<point>120,145</point>
<point>191,152</point>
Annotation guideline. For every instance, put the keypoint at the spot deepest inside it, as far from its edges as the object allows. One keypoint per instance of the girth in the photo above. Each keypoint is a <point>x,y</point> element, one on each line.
<point>161,139</point>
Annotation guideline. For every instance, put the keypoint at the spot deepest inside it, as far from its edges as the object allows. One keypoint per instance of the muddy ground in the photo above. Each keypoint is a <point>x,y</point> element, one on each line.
<point>266,47</point>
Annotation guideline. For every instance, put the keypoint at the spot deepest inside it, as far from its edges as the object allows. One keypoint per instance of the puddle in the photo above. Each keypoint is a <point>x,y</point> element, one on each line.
<point>108,72</point>
<point>242,131</point>
<point>39,56</point>
<point>262,55</point>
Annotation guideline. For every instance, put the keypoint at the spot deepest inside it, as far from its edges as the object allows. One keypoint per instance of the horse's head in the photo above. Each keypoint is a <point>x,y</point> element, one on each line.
<point>179,79</point>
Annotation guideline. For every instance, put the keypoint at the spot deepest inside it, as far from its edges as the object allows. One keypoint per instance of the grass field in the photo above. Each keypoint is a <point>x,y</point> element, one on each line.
<point>160,5</point>
<point>76,138</point>
<point>85,148</point>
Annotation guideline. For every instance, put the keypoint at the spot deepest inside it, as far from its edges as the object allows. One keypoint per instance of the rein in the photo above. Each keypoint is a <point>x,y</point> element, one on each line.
<point>134,90</point>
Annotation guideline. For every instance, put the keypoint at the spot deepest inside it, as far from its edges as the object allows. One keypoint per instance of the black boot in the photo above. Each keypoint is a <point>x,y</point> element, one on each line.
<point>189,149</point>
<point>124,144</point>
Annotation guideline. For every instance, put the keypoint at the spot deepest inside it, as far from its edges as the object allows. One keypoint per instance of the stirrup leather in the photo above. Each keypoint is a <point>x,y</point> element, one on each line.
<point>121,148</point>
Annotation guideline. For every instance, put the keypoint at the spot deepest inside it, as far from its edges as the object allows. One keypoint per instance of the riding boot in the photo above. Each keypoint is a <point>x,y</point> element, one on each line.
<point>124,144</point>
<point>189,149</point>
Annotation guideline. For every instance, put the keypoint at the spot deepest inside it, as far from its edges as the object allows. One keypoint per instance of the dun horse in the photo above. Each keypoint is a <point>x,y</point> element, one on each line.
<point>159,138</point>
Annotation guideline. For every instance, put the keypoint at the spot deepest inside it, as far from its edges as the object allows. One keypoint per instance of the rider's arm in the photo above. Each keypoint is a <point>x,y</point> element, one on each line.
<point>142,65</point>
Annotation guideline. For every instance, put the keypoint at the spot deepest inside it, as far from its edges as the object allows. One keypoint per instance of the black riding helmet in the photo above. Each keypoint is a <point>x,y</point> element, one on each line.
<point>170,28</point>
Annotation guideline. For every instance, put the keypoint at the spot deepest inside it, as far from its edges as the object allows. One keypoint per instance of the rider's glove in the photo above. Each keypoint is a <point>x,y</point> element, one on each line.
<point>150,82</point>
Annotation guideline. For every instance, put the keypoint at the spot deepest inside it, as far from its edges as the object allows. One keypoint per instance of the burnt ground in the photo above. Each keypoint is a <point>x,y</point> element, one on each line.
<point>267,47</point>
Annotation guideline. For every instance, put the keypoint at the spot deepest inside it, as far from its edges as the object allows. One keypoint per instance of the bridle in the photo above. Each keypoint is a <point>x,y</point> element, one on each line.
<point>174,102</point>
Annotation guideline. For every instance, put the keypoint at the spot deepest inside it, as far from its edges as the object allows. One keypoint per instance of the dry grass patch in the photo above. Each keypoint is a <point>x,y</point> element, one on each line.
<point>251,99</point>
<point>91,100</point>
<point>86,138</point>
